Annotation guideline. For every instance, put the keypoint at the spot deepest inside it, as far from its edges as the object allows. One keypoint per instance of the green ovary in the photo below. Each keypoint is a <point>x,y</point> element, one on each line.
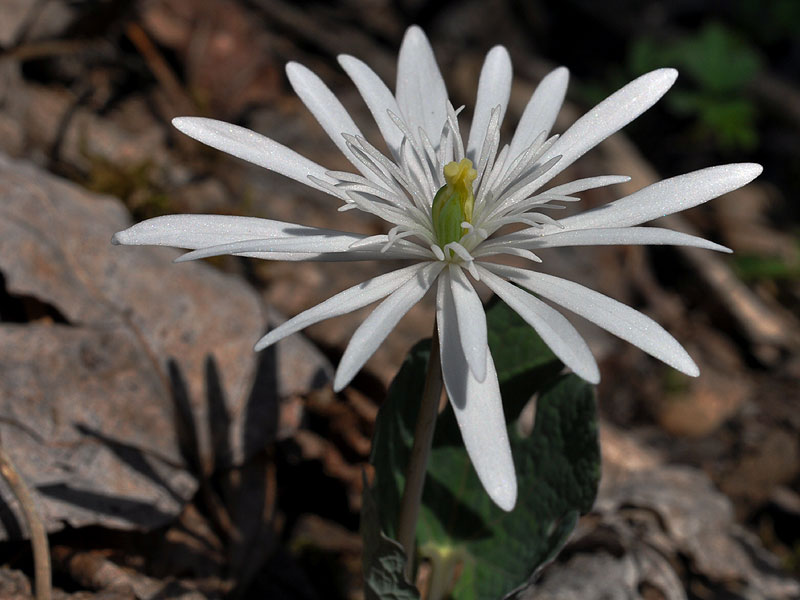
<point>453,203</point>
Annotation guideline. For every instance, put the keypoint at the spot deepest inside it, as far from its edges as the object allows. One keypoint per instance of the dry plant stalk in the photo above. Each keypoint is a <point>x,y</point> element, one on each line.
<point>41,549</point>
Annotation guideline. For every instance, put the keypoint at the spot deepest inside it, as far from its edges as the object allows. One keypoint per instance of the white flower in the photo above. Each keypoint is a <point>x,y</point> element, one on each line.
<point>450,237</point>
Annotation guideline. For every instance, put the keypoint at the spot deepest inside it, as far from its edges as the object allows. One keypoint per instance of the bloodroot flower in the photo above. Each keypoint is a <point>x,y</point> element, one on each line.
<point>446,203</point>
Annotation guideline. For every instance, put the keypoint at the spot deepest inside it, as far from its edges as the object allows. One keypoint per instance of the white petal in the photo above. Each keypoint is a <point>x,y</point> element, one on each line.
<point>312,244</point>
<point>611,115</point>
<point>208,231</point>
<point>478,407</point>
<point>378,98</point>
<point>588,183</point>
<point>405,247</point>
<point>381,321</point>
<point>252,147</point>
<point>540,113</point>
<point>326,108</point>
<point>507,249</point>
<point>471,321</point>
<point>349,256</point>
<point>621,320</point>
<point>494,88</point>
<point>565,342</point>
<point>201,231</point>
<point>342,303</point>
<point>421,93</point>
<point>640,236</point>
<point>666,197</point>
<point>611,236</point>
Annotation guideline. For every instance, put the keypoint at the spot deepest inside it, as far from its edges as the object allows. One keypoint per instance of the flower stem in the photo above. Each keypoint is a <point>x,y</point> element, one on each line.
<point>418,461</point>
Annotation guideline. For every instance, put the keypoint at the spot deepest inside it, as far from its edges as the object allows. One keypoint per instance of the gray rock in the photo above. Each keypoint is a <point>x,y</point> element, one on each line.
<point>659,529</point>
<point>123,377</point>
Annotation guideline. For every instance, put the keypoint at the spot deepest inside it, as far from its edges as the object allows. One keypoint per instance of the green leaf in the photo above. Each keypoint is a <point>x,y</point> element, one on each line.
<point>515,346</point>
<point>720,65</point>
<point>752,267</point>
<point>718,59</point>
<point>523,361</point>
<point>769,22</point>
<point>732,122</point>
<point>645,54</point>
<point>557,471</point>
<point>715,57</point>
<point>558,465</point>
<point>383,558</point>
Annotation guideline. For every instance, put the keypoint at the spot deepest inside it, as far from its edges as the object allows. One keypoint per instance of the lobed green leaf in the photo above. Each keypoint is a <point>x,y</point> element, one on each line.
<point>476,549</point>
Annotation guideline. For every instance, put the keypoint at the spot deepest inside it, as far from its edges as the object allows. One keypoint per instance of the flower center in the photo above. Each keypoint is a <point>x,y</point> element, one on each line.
<point>453,203</point>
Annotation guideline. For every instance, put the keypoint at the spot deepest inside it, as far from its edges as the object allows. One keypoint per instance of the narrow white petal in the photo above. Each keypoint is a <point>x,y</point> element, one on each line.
<point>381,321</point>
<point>507,249</point>
<point>608,117</point>
<point>565,342</point>
<point>666,197</point>
<point>342,303</point>
<point>252,147</point>
<point>349,256</point>
<point>478,407</point>
<point>202,231</point>
<point>588,183</point>
<point>421,93</point>
<point>313,244</point>
<point>494,88</point>
<point>411,249</point>
<point>613,316</point>
<point>611,236</point>
<point>540,113</point>
<point>378,98</point>
<point>326,108</point>
<point>207,231</point>
<point>471,321</point>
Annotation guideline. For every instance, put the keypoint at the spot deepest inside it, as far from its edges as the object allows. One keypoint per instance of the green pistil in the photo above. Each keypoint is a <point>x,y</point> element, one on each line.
<point>454,202</point>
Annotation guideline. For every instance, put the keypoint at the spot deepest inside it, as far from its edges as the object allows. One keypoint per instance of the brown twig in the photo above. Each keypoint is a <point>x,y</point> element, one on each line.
<point>46,49</point>
<point>41,549</point>
<point>331,40</point>
<point>180,102</point>
<point>93,570</point>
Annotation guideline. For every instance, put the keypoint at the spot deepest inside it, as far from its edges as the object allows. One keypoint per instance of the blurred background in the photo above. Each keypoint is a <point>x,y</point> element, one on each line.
<point>169,461</point>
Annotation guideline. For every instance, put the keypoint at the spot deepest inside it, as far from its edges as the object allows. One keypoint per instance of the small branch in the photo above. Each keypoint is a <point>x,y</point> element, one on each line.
<point>41,550</point>
<point>178,98</point>
<point>95,571</point>
<point>418,461</point>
